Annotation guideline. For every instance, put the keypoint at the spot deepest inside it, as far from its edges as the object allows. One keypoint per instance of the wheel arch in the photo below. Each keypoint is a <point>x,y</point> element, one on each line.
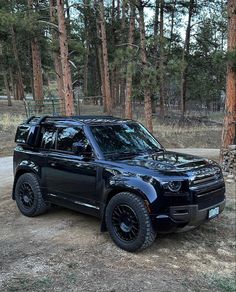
<point>19,172</point>
<point>116,191</point>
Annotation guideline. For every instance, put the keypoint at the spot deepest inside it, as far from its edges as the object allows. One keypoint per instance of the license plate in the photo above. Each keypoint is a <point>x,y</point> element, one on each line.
<point>213,212</point>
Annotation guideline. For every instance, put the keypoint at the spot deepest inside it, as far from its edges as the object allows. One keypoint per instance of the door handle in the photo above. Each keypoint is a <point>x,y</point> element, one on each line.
<point>53,164</point>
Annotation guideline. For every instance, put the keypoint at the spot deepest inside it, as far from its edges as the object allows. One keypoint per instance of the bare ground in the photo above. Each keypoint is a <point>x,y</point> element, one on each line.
<point>65,251</point>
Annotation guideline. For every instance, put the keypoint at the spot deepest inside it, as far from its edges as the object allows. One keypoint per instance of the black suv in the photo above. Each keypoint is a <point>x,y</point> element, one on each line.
<point>116,170</point>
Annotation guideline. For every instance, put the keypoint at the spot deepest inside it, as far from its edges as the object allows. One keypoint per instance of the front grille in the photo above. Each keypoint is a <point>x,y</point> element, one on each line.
<point>208,187</point>
<point>208,199</point>
<point>205,179</point>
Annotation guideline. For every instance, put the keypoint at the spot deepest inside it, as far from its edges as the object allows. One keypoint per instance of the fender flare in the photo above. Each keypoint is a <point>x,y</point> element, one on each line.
<point>25,166</point>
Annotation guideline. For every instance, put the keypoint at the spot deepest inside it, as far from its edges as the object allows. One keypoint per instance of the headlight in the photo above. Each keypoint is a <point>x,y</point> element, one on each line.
<point>174,186</point>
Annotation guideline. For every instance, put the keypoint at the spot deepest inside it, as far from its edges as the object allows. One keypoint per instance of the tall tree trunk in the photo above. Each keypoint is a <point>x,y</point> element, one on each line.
<point>107,87</point>
<point>147,95</point>
<point>128,91</point>
<point>86,5</point>
<point>37,68</point>
<point>123,17</point>
<point>118,10</point>
<point>13,91</point>
<point>172,24</point>
<point>6,84</point>
<point>228,136</point>
<point>185,53</point>
<point>20,86</point>
<point>100,59</point>
<point>37,74</point>
<point>57,61</point>
<point>66,71</point>
<point>155,45</point>
<point>156,25</point>
<point>161,61</point>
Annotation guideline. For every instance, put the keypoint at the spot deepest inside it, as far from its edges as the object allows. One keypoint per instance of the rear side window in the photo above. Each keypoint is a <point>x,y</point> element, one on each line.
<point>22,134</point>
<point>67,136</point>
<point>48,138</point>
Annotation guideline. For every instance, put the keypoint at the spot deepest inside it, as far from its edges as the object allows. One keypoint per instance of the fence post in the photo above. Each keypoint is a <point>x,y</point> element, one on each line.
<point>53,107</point>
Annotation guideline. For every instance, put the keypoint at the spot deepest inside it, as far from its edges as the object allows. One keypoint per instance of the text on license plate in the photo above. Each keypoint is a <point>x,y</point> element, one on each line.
<point>213,212</point>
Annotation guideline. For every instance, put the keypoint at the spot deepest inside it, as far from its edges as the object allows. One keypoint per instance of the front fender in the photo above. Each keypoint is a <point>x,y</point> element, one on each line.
<point>144,186</point>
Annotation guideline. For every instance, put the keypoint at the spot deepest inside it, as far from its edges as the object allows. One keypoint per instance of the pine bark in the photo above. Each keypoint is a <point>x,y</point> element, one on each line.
<point>228,136</point>
<point>128,91</point>
<point>172,24</point>
<point>185,53</point>
<point>107,87</point>
<point>13,91</point>
<point>37,74</point>
<point>66,70</point>
<point>56,57</point>
<point>20,86</point>
<point>161,61</point>
<point>99,58</point>
<point>6,84</point>
<point>86,41</point>
<point>37,68</point>
<point>156,24</point>
<point>147,95</point>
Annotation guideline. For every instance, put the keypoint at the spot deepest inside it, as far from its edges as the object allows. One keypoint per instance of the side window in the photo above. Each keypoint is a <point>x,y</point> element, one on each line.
<point>48,137</point>
<point>67,136</point>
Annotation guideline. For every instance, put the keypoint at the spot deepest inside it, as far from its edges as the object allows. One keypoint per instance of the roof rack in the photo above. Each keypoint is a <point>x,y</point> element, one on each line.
<point>39,120</point>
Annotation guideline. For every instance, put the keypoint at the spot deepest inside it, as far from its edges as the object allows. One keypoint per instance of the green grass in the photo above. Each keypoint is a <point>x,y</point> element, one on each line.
<point>226,284</point>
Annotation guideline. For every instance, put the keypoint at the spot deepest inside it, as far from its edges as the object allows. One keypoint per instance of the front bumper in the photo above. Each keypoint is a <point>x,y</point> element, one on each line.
<point>183,217</point>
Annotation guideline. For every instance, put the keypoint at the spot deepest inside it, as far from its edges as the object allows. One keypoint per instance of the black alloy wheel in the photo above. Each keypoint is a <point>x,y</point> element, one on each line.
<point>129,223</point>
<point>28,195</point>
<point>125,222</point>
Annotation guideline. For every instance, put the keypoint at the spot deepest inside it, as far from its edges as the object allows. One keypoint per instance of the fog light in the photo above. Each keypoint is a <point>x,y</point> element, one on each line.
<point>174,186</point>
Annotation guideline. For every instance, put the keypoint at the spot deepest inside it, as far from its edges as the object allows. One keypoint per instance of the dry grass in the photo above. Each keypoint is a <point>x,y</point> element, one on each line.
<point>9,120</point>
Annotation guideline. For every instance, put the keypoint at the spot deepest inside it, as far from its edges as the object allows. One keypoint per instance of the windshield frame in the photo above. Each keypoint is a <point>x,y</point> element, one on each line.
<point>103,155</point>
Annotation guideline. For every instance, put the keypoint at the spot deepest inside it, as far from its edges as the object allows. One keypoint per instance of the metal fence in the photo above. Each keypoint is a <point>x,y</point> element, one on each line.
<point>54,107</point>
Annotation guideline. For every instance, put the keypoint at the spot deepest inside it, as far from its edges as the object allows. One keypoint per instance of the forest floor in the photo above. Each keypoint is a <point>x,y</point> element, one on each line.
<point>172,133</point>
<point>65,251</point>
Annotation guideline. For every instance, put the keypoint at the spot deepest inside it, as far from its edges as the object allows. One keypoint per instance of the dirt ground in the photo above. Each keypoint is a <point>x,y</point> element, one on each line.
<point>65,251</point>
<point>170,132</point>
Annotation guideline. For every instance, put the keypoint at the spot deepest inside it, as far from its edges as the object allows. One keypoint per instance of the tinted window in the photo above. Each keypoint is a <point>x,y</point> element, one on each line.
<point>48,138</point>
<point>67,136</point>
<point>124,138</point>
<point>22,134</point>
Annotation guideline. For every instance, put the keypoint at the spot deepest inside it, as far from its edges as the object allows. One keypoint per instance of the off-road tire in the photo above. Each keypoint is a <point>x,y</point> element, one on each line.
<point>39,206</point>
<point>146,233</point>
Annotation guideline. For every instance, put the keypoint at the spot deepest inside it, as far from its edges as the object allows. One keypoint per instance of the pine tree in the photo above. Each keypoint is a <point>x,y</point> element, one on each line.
<point>228,136</point>
<point>66,70</point>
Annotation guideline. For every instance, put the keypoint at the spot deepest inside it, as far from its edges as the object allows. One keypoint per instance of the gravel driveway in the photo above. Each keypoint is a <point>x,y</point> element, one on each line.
<point>65,251</point>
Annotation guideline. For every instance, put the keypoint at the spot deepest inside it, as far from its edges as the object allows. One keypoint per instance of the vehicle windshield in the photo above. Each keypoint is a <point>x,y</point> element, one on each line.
<point>128,138</point>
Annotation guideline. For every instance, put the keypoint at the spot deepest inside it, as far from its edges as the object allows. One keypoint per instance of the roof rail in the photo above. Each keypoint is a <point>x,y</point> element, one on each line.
<point>89,117</point>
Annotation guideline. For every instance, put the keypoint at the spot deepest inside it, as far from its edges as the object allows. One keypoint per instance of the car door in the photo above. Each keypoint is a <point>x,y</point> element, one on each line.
<point>71,179</point>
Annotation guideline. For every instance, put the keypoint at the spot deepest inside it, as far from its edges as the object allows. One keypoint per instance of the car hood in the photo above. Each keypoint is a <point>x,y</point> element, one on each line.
<point>167,161</point>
